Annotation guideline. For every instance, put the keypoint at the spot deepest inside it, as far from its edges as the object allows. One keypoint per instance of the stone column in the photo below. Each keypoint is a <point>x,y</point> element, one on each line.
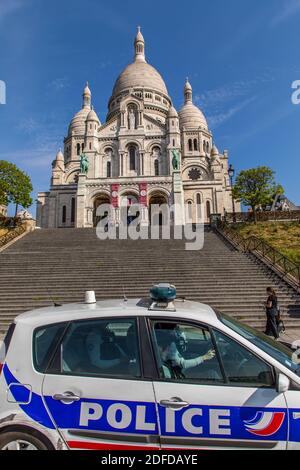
<point>89,217</point>
<point>179,216</point>
<point>121,169</point>
<point>123,119</point>
<point>53,209</point>
<point>141,163</point>
<point>81,218</point>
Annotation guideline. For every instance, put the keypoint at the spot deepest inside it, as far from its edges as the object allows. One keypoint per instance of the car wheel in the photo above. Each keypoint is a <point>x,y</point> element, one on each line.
<point>20,441</point>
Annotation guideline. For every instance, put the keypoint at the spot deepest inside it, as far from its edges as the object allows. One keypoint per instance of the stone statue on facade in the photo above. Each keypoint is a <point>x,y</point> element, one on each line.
<point>132,119</point>
<point>176,160</point>
<point>84,164</point>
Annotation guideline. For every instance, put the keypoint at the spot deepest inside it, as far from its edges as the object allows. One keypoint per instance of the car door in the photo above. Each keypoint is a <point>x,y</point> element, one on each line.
<point>95,389</point>
<point>212,392</point>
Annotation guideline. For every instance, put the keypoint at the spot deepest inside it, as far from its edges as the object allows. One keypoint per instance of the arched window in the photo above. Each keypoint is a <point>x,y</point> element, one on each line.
<point>64,214</point>
<point>190,145</point>
<point>195,144</point>
<point>90,146</point>
<point>208,209</point>
<point>73,210</point>
<point>82,147</point>
<point>78,149</point>
<point>132,158</point>
<point>156,167</point>
<point>173,142</point>
<point>207,147</point>
<point>108,169</point>
<point>190,210</point>
<point>199,212</point>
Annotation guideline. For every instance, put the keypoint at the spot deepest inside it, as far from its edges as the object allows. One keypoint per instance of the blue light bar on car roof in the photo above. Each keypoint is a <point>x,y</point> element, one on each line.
<point>163,293</point>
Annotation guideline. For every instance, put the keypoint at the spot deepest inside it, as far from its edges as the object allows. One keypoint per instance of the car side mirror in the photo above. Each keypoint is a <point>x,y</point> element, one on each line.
<point>283,383</point>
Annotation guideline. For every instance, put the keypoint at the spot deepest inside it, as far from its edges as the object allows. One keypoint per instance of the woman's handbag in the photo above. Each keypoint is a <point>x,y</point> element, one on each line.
<point>279,322</point>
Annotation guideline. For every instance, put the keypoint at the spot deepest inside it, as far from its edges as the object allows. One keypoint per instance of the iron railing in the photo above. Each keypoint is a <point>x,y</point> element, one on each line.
<point>263,216</point>
<point>266,252</point>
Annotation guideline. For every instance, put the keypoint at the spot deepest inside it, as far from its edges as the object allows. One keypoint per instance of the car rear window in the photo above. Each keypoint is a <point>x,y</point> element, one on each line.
<point>45,341</point>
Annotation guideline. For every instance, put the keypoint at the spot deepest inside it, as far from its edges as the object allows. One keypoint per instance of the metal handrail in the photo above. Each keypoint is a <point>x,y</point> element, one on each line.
<point>12,234</point>
<point>254,244</point>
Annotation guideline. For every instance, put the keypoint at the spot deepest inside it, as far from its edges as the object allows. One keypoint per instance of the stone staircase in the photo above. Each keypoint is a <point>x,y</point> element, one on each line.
<point>60,265</point>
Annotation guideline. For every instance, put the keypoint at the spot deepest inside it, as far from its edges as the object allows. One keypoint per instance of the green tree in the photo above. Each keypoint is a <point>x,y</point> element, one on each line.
<point>256,188</point>
<point>15,186</point>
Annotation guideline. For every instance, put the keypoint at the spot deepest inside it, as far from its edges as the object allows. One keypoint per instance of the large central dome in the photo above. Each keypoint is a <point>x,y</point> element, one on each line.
<point>141,79</point>
<point>140,74</point>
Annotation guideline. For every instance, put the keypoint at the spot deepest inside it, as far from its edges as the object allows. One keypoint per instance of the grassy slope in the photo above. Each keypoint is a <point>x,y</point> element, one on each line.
<point>284,236</point>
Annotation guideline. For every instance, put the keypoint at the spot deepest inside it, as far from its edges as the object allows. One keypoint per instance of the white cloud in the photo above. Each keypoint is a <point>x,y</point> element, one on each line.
<point>30,158</point>
<point>218,119</point>
<point>9,6</point>
<point>289,8</point>
<point>28,126</point>
<point>59,84</point>
<point>232,91</point>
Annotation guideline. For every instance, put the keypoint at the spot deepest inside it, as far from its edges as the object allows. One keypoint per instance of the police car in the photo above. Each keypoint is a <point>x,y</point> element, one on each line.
<point>149,374</point>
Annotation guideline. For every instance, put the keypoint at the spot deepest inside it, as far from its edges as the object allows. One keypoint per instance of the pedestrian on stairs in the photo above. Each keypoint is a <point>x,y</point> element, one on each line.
<point>272,313</point>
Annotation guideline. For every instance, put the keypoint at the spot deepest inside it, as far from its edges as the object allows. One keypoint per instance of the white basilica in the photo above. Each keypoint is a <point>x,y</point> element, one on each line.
<point>130,155</point>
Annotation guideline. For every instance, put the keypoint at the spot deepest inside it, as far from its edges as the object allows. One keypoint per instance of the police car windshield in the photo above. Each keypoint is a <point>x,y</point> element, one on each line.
<point>275,349</point>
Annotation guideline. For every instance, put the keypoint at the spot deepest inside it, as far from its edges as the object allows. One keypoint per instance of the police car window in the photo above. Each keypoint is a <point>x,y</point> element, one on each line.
<point>274,348</point>
<point>241,366</point>
<point>185,352</point>
<point>101,348</point>
<point>45,341</point>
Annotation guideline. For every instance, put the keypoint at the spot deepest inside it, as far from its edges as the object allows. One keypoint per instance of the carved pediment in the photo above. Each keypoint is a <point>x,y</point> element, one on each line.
<point>110,128</point>
<point>153,125</point>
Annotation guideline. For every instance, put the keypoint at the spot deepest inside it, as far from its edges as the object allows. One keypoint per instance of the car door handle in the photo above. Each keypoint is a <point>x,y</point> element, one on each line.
<point>67,397</point>
<point>175,402</point>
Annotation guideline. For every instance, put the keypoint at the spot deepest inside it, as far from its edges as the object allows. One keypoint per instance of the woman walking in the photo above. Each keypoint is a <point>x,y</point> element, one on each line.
<point>272,313</point>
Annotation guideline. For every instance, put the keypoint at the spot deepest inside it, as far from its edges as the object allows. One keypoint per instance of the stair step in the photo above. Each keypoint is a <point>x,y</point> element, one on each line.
<point>63,263</point>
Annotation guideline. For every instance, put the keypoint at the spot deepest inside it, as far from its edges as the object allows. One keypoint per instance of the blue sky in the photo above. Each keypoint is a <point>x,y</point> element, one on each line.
<point>241,58</point>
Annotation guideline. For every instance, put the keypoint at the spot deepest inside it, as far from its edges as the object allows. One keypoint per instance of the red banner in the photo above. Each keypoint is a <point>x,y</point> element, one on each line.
<point>143,194</point>
<point>115,195</point>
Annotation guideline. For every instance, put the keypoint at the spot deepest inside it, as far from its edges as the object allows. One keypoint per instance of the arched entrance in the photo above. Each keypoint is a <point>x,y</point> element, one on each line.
<point>128,200</point>
<point>155,201</point>
<point>98,201</point>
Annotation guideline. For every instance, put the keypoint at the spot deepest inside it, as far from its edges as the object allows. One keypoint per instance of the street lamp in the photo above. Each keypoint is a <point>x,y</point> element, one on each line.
<point>231,173</point>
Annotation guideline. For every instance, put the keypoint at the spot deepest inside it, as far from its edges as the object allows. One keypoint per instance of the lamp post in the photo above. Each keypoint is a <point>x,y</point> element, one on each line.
<point>231,173</point>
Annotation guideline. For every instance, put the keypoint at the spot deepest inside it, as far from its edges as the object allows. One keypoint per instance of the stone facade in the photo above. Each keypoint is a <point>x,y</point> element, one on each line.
<point>130,155</point>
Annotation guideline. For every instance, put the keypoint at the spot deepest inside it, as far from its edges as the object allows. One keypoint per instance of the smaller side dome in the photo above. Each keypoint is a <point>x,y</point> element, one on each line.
<point>59,162</point>
<point>172,113</point>
<point>214,151</point>
<point>92,116</point>
<point>77,125</point>
<point>190,116</point>
<point>59,156</point>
